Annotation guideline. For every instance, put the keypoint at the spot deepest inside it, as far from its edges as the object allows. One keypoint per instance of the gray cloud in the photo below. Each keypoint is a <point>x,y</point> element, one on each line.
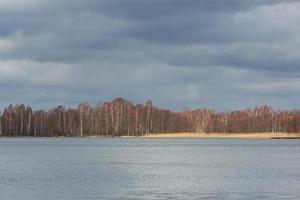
<point>198,53</point>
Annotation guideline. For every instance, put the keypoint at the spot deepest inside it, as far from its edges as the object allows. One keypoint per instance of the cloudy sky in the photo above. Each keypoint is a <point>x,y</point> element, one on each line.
<point>222,54</point>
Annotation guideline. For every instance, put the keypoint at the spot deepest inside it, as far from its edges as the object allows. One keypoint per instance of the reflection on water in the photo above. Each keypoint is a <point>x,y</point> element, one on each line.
<point>74,168</point>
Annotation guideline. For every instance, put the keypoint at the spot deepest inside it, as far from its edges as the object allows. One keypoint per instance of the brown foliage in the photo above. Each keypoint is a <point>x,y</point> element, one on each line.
<point>122,118</point>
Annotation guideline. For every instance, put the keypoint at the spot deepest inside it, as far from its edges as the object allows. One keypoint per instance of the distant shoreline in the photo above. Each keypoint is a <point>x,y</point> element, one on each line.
<point>185,135</point>
<point>226,135</point>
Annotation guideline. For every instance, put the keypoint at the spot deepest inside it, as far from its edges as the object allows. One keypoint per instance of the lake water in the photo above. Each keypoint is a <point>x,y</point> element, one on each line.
<point>80,168</point>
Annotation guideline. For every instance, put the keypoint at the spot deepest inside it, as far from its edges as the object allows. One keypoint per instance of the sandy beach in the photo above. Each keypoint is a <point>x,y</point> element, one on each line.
<point>225,135</point>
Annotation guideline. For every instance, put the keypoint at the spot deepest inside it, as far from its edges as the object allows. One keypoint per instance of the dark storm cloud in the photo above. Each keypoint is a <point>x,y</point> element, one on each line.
<point>146,10</point>
<point>222,54</point>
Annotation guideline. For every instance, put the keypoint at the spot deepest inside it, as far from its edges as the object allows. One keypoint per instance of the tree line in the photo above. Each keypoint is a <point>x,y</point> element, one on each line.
<point>263,119</point>
<point>115,118</point>
<point>120,117</point>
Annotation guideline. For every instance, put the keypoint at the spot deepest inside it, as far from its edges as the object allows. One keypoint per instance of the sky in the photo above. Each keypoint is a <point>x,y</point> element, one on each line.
<point>221,54</point>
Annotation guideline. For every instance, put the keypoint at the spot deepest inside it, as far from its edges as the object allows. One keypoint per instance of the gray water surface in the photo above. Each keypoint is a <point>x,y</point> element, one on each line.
<point>81,168</point>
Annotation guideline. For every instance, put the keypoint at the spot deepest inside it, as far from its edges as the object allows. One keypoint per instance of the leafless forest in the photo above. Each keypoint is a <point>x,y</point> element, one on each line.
<point>123,118</point>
